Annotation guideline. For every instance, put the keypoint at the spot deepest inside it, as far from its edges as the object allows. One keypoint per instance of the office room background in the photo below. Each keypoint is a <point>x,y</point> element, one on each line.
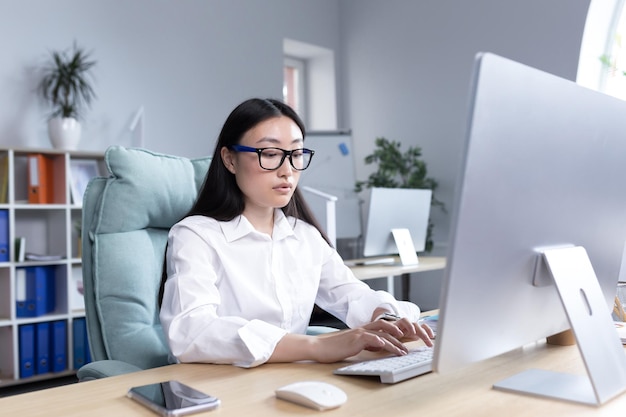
<point>402,70</point>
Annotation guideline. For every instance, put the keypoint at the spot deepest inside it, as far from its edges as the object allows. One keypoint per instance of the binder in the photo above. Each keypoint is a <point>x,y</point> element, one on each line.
<point>24,299</point>
<point>42,350</point>
<point>20,249</point>
<point>40,179</point>
<point>40,287</point>
<point>51,288</point>
<point>27,350</point>
<point>58,346</point>
<point>4,235</point>
<point>79,339</point>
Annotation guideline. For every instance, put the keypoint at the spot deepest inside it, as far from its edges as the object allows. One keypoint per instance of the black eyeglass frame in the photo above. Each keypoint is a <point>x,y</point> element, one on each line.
<point>259,151</point>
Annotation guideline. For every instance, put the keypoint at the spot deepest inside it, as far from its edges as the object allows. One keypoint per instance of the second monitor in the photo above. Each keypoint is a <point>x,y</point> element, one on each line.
<point>391,213</point>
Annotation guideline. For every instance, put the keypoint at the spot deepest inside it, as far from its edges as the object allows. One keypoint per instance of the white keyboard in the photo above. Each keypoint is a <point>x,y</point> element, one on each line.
<point>394,368</point>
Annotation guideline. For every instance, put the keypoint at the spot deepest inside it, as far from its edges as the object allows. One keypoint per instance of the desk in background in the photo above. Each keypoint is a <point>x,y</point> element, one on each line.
<point>426,263</point>
<point>250,392</point>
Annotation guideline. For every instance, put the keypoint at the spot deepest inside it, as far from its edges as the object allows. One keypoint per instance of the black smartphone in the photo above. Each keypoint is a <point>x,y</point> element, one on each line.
<point>173,398</point>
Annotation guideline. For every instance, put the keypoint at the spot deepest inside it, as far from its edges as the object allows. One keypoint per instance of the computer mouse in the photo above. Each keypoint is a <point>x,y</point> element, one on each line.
<point>313,394</point>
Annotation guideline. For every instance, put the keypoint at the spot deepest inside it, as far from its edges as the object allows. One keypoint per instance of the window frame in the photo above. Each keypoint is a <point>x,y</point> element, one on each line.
<point>300,81</point>
<point>598,38</point>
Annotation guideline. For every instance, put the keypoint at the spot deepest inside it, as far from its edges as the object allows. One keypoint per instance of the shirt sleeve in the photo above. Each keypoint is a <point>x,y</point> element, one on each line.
<point>352,300</point>
<point>191,299</point>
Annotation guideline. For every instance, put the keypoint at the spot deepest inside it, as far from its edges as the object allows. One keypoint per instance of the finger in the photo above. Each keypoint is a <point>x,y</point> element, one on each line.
<point>407,327</point>
<point>392,344</point>
<point>421,332</point>
<point>386,326</point>
<point>428,329</point>
<point>425,333</point>
<point>379,344</point>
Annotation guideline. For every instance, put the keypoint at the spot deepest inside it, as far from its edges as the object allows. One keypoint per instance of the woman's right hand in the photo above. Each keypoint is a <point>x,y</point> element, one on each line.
<point>376,336</point>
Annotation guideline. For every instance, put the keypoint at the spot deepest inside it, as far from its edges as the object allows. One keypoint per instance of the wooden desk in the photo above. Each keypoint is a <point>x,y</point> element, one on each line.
<point>426,263</point>
<point>250,392</point>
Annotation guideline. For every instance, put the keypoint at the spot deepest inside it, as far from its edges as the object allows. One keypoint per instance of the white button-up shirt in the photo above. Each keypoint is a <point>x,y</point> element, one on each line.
<point>232,292</point>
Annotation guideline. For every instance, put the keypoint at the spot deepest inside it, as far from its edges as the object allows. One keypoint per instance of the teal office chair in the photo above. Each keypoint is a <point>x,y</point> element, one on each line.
<point>126,219</point>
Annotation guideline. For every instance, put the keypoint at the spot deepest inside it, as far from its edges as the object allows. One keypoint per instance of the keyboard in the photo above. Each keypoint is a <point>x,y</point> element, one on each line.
<point>394,368</point>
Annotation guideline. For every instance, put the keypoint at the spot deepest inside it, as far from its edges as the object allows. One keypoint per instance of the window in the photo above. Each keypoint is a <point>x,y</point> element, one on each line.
<point>309,82</point>
<point>613,79</point>
<point>602,62</point>
<point>294,81</point>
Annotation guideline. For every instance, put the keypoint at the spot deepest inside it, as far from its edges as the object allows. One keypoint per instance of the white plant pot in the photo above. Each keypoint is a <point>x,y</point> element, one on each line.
<point>64,132</point>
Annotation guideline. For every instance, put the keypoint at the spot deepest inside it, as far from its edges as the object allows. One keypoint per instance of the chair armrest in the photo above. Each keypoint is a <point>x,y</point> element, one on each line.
<point>105,368</point>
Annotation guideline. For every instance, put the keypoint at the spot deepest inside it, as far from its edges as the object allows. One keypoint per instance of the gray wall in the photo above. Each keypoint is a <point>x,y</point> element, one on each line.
<point>403,68</point>
<point>406,69</point>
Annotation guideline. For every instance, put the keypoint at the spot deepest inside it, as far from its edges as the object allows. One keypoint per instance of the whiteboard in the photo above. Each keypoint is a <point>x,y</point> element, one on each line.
<point>332,171</point>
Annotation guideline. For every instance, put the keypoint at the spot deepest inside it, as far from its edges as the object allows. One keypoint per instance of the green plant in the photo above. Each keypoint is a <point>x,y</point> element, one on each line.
<point>66,82</point>
<point>609,64</point>
<point>397,169</point>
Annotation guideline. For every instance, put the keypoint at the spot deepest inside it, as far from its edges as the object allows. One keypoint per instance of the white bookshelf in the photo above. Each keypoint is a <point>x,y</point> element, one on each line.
<point>47,229</point>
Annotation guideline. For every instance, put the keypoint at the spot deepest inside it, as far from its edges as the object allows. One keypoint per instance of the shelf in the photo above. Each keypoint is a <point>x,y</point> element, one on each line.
<point>47,229</point>
<point>8,381</point>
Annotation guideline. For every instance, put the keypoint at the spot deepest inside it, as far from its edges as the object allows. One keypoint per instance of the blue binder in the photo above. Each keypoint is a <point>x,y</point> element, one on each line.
<point>40,290</point>
<point>42,350</point>
<point>58,346</point>
<point>24,302</point>
<point>51,288</point>
<point>79,339</point>
<point>4,235</point>
<point>27,350</point>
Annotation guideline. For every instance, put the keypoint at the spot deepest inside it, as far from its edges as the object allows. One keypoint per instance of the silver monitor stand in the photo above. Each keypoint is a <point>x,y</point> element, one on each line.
<point>592,325</point>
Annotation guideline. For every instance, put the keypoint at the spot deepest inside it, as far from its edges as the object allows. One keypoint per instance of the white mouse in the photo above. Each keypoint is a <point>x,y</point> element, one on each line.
<point>313,394</point>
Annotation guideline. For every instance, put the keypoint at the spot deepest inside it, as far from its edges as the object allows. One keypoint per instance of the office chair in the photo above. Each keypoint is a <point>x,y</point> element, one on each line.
<point>126,219</point>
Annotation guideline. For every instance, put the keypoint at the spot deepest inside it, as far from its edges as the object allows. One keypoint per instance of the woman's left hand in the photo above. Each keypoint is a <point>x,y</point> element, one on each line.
<point>403,329</point>
<point>416,331</point>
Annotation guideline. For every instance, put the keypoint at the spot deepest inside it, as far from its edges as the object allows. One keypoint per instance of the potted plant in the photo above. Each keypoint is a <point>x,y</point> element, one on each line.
<point>397,169</point>
<point>66,87</point>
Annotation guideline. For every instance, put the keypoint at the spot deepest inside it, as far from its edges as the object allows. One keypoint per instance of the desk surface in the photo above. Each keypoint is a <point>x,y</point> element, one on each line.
<point>426,263</point>
<point>250,392</point>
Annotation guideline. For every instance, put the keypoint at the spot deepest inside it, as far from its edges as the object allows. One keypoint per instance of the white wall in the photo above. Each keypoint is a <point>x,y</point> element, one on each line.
<point>188,62</point>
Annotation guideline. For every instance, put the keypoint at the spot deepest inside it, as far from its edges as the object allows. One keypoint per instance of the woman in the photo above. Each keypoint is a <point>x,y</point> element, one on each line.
<point>246,265</point>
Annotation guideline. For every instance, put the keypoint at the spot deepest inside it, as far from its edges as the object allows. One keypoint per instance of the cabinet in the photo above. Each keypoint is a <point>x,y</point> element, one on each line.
<point>50,228</point>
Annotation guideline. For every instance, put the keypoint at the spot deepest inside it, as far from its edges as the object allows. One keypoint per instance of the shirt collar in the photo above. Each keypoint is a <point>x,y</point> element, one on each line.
<point>240,227</point>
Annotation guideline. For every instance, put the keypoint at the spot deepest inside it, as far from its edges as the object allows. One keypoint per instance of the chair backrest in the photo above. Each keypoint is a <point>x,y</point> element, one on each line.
<point>126,219</point>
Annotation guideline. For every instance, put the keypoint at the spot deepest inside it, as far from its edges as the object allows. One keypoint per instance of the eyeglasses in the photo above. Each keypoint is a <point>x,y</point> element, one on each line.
<point>272,158</point>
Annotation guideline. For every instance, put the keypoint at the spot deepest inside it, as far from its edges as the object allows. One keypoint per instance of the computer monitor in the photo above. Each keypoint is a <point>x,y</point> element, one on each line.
<point>394,209</point>
<point>544,177</point>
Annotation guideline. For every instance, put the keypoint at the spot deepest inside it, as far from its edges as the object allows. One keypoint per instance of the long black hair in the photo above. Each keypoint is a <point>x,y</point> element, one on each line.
<point>220,196</point>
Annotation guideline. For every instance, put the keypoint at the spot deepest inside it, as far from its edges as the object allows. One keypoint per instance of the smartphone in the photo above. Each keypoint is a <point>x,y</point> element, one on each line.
<point>173,398</point>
